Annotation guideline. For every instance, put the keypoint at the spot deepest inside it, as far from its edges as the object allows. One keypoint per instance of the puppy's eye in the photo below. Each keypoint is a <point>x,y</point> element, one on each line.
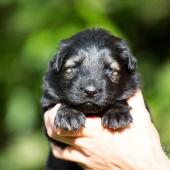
<point>112,71</point>
<point>69,73</point>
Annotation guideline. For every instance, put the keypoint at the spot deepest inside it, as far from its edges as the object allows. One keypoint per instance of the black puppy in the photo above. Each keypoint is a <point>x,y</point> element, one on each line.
<point>93,72</point>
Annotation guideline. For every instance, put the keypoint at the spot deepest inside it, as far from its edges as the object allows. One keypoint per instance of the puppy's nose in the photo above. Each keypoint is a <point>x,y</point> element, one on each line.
<point>90,91</point>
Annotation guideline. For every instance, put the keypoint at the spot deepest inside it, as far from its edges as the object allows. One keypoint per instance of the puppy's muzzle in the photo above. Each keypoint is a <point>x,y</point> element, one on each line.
<point>90,91</point>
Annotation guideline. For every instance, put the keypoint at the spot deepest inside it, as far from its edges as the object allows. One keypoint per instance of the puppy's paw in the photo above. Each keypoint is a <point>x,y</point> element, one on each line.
<point>69,119</point>
<point>116,120</point>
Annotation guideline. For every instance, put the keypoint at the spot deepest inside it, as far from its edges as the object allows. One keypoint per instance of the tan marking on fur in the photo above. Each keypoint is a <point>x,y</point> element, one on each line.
<point>115,65</point>
<point>71,62</point>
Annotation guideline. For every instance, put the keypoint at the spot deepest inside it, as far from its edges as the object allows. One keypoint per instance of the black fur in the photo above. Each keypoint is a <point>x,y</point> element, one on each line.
<point>93,72</point>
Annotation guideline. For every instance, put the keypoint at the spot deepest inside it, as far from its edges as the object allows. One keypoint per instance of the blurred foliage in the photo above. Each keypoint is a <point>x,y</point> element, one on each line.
<point>29,34</point>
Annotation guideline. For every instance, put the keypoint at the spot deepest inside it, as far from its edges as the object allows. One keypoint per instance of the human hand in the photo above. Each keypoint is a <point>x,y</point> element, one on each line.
<point>97,148</point>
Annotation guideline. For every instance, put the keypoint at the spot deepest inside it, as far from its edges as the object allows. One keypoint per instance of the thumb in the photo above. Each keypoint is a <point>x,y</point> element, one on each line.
<point>139,111</point>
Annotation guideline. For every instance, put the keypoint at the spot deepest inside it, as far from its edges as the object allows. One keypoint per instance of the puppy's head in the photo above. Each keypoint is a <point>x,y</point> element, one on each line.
<point>93,69</point>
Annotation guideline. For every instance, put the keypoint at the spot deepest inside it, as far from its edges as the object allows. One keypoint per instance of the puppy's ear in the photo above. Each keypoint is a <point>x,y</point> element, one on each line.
<point>58,58</point>
<point>127,55</point>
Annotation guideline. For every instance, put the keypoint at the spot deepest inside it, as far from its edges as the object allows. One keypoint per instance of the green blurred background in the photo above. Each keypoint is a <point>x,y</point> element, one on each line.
<point>29,34</point>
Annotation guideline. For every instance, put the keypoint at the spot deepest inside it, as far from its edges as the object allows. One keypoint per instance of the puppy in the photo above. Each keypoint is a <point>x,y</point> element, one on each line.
<point>93,72</point>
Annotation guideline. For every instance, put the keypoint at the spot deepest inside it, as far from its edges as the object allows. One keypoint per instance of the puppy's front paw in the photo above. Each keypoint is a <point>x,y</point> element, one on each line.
<point>116,120</point>
<point>69,119</point>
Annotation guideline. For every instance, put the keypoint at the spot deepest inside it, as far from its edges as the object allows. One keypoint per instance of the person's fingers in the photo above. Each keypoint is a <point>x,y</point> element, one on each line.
<point>69,153</point>
<point>91,123</point>
<point>49,120</point>
<point>139,111</point>
<point>92,126</point>
<point>62,132</point>
<point>81,138</point>
<point>136,101</point>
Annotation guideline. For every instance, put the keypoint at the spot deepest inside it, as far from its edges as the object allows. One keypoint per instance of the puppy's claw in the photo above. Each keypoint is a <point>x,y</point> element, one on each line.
<point>104,121</point>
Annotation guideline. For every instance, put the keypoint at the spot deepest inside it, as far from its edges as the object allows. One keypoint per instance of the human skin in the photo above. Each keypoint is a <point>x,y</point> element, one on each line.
<point>94,147</point>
